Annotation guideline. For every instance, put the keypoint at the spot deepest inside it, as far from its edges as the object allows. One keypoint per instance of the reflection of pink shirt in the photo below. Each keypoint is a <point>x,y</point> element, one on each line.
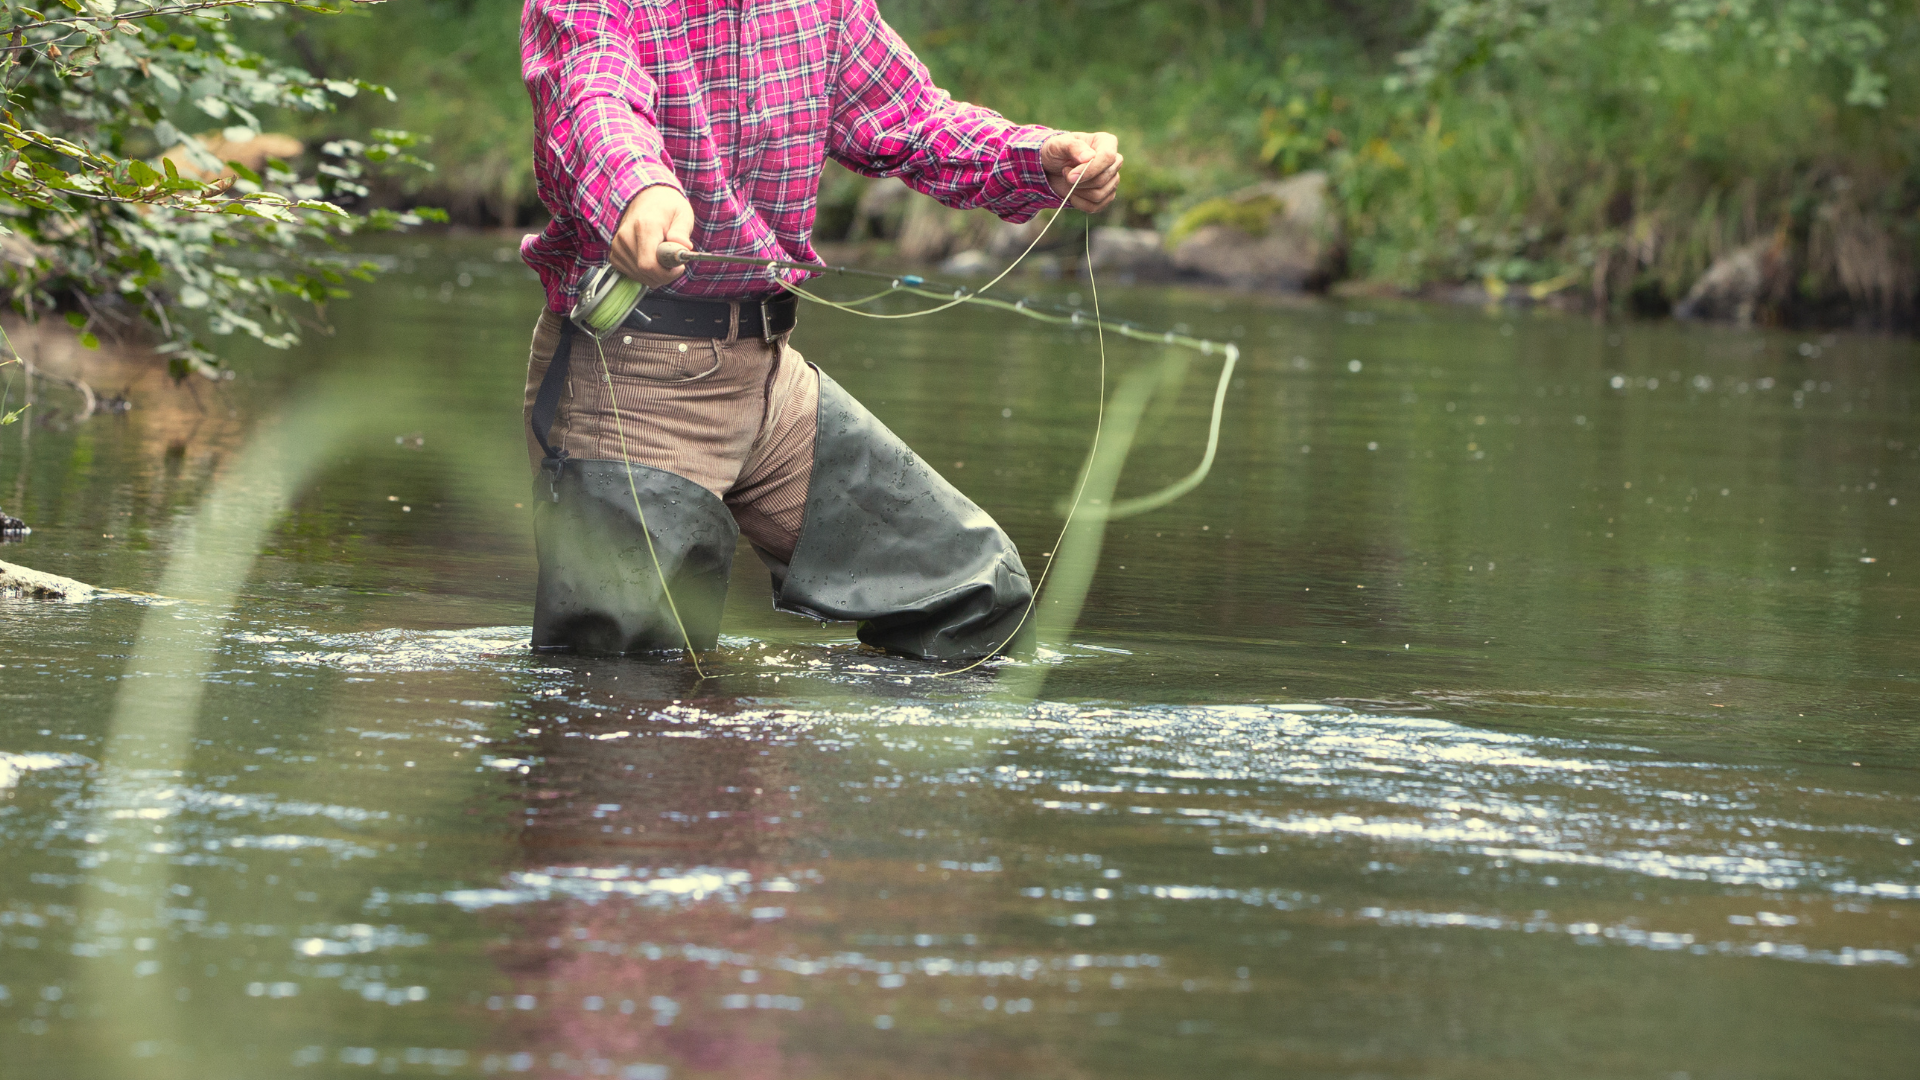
<point>736,102</point>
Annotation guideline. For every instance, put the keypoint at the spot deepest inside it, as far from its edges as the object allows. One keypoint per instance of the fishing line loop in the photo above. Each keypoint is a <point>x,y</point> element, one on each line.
<point>1079,489</point>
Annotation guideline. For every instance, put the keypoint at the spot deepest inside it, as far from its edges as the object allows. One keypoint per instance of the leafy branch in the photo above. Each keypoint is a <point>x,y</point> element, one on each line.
<point>114,212</point>
<point>9,417</point>
<point>118,18</point>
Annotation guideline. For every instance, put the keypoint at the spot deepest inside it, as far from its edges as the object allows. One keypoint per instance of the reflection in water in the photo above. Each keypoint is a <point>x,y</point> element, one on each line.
<point>684,909</point>
<point>1604,766</point>
<point>653,882</point>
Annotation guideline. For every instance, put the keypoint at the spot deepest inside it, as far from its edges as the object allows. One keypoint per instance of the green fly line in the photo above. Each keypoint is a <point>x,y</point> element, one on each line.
<point>913,285</point>
<point>1086,473</point>
<point>619,294</point>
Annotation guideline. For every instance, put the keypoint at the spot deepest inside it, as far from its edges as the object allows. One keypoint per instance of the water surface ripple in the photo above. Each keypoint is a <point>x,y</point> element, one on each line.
<point>1518,697</point>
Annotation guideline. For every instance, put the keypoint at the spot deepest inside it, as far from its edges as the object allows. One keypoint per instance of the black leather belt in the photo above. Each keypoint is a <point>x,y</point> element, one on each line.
<point>765,319</point>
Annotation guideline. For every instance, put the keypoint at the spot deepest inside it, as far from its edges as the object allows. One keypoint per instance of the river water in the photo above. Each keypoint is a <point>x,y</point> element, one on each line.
<point>1520,696</point>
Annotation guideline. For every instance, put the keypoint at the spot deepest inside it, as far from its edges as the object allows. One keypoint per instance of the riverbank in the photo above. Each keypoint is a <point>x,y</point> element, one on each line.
<point>1614,152</point>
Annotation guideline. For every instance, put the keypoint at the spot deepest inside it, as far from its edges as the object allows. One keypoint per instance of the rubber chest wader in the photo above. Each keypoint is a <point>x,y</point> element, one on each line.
<point>885,541</point>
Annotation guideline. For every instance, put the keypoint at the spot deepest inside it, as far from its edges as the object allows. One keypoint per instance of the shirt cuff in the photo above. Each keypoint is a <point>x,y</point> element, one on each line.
<point>1023,156</point>
<point>640,173</point>
<point>1021,177</point>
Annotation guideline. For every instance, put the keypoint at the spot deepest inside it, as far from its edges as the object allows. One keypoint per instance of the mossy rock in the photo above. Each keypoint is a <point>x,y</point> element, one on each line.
<point>1251,216</point>
<point>1283,234</point>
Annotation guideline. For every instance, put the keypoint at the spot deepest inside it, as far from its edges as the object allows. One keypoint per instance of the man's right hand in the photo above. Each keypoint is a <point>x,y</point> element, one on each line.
<point>659,213</point>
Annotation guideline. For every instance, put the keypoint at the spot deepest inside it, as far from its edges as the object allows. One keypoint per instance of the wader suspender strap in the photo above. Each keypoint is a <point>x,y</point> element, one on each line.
<point>546,405</point>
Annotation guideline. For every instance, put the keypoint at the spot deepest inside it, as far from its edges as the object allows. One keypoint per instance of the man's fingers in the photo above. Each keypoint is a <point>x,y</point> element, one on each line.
<point>648,236</point>
<point>658,214</point>
<point>1084,167</point>
<point>1093,205</point>
<point>1093,164</point>
<point>1108,175</point>
<point>1105,181</point>
<point>1102,165</point>
<point>1090,171</point>
<point>646,239</point>
<point>1096,151</point>
<point>1096,197</point>
<point>680,229</point>
<point>1099,178</point>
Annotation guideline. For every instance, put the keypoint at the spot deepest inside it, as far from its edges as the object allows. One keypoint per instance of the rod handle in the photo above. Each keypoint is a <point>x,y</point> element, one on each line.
<point>670,255</point>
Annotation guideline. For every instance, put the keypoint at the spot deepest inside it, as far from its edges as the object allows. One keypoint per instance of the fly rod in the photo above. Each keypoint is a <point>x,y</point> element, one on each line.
<point>608,298</point>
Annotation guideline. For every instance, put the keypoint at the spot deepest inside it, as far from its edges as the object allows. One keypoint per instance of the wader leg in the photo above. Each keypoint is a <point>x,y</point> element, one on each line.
<point>598,592</point>
<point>888,542</point>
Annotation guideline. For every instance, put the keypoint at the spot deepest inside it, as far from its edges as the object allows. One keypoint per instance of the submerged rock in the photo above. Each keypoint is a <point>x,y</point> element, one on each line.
<point>20,583</point>
<point>1284,234</point>
<point>1739,284</point>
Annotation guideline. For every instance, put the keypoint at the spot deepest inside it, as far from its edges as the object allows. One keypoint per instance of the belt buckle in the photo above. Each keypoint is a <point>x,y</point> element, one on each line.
<point>766,323</point>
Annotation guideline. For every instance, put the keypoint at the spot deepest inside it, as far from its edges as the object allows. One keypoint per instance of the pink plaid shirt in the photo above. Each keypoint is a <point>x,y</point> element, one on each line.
<point>736,102</point>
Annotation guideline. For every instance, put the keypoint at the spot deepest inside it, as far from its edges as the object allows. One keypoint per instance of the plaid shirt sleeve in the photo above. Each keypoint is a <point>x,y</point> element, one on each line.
<point>888,119</point>
<point>583,62</point>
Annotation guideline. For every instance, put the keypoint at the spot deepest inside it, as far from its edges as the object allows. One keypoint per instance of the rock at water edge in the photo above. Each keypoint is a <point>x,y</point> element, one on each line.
<point>20,583</point>
<point>1738,284</point>
<point>1130,254</point>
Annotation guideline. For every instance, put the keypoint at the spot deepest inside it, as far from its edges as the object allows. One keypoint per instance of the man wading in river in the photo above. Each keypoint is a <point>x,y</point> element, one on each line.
<point>705,123</point>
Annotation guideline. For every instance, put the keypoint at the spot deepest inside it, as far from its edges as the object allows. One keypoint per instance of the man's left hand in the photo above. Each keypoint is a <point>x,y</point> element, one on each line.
<point>1090,159</point>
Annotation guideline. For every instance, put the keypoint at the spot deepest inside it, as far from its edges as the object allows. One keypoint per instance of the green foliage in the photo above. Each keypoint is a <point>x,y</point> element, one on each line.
<point>1849,34</point>
<point>454,66</point>
<point>1199,91</point>
<point>98,217</point>
<point>1297,125</point>
<point>1624,142</point>
<point>1148,193</point>
<point>1627,142</point>
<point>1620,143</point>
